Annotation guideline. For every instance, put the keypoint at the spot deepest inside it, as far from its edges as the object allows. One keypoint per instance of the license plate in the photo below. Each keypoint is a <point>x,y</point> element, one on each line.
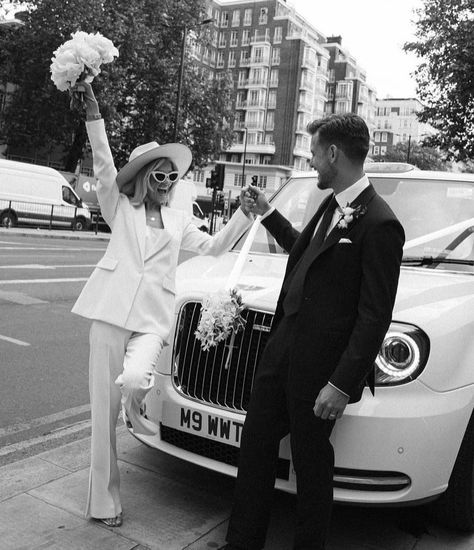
<point>203,424</point>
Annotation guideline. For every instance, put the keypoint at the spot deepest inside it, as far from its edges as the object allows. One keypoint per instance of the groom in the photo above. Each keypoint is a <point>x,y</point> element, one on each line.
<point>333,311</point>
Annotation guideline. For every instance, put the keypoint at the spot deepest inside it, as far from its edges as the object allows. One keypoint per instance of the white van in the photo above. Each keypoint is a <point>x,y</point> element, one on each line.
<point>39,196</point>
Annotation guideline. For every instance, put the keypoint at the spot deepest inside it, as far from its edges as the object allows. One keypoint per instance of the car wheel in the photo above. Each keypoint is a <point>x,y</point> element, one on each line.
<point>455,507</point>
<point>8,219</point>
<point>79,224</point>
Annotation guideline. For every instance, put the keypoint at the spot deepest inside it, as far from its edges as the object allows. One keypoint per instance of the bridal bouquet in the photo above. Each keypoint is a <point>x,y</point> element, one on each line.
<point>80,59</point>
<point>221,316</point>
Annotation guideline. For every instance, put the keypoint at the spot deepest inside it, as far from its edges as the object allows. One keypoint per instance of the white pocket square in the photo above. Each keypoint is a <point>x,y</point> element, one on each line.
<point>345,241</point>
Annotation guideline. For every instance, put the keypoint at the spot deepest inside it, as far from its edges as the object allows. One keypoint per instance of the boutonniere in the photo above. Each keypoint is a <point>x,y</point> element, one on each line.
<point>349,214</point>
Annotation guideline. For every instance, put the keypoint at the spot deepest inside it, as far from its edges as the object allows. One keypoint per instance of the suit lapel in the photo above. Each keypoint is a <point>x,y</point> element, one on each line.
<point>306,235</point>
<point>140,227</point>
<point>337,233</point>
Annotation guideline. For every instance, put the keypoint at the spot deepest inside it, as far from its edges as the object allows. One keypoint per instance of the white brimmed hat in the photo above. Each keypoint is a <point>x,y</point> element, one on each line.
<point>178,154</point>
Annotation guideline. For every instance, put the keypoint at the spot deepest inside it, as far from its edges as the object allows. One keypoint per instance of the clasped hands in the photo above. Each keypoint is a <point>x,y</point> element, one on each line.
<point>254,200</point>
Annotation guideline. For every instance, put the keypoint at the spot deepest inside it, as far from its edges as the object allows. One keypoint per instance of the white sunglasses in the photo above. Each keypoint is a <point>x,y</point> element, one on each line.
<point>161,177</point>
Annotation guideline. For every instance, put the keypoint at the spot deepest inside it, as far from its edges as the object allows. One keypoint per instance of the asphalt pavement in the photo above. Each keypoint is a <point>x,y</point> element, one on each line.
<point>170,504</point>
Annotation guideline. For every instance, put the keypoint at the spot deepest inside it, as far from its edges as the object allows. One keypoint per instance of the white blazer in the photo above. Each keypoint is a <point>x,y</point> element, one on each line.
<point>129,287</point>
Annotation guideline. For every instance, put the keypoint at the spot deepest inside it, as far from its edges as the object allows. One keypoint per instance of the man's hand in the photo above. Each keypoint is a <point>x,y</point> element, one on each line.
<point>330,403</point>
<point>255,200</point>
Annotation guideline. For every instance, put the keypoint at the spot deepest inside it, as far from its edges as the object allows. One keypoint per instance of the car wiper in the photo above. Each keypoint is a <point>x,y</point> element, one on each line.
<point>430,261</point>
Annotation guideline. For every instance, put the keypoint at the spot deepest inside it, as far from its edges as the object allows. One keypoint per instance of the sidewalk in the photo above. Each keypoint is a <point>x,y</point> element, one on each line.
<point>172,505</point>
<point>55,233</point>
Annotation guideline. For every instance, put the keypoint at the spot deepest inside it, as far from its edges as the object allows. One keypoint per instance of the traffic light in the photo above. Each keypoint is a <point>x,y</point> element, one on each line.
<point>255,181</point>
<point>212,180</point>
<point>220,174</point>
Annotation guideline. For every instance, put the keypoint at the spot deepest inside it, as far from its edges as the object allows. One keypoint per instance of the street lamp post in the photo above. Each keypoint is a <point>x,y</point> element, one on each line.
<point>244,157</point>
<point>181,72</point>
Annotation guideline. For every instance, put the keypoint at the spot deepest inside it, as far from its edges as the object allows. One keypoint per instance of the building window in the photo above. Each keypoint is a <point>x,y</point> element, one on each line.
<point>376,136</point>
<point>242,78</point>
<point>376,149</point>
<point>248,17</point>
<point>384,137</point>
<point>274,77</point>
<point>220,60</point>
<point>232,61</point>
<point>276,56</point>
<point>270,120</point>
<point>234,39</point>
<point>263,17</point>
<point>236,18</point>
<point>383,150</point>
<point>272,98</point>
<point>222,41</point>
<point>245,38</point>
<point>277,35</point>
<point>198,176</point>
<point>225,19</point>
<point>244,57</point>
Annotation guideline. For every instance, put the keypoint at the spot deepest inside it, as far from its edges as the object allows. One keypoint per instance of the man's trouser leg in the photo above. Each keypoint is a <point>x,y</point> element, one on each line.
<point>313,460</point>
<point>265,425</point>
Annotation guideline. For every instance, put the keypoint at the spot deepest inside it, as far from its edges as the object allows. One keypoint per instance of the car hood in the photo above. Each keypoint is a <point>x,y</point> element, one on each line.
<point>423,294</point>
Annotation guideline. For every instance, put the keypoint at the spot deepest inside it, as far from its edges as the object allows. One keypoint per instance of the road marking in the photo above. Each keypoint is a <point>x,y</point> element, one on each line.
<point>34,281</point>
<point>20,298</point>
<point>67,430</point>
<point>14,340</point>
<point>41,266</point>
<point>49,419</point>
<point>56,248</point>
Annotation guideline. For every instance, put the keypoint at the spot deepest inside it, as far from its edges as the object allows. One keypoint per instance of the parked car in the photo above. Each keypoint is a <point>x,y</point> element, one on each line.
<point>39,195</point>
<point>411,443</point>
<point>199,219</point>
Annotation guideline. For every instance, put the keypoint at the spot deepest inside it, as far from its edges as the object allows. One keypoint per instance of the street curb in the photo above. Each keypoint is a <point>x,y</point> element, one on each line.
<point>48,235</point>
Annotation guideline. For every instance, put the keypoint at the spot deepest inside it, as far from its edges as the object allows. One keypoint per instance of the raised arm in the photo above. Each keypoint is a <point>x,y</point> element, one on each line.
<point>104,168</point>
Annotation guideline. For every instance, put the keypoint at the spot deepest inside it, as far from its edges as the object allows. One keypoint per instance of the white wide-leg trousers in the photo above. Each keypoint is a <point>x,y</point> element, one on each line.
<point>121,373</point>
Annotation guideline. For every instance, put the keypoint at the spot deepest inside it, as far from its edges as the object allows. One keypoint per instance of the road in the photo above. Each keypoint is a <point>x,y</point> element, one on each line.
<point>43,347</point>
<point>44,400</point>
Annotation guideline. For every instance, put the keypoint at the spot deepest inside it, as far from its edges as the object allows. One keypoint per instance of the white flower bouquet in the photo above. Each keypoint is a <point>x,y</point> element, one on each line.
<point>80,59</point>
<point>221,313</point>
<point>221,316</point>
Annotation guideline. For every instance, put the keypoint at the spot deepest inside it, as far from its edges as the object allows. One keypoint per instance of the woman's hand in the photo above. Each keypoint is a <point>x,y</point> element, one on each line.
<point>84,93</point>
<point>253,200</point>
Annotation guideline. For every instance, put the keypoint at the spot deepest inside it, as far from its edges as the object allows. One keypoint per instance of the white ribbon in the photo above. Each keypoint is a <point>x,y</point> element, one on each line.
<point>241,258</point>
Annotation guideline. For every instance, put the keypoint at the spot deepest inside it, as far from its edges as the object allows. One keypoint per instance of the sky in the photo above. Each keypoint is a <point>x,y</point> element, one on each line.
<point>374,32</point>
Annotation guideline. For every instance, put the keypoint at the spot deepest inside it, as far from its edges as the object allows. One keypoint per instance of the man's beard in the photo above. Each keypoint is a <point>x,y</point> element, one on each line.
<point>326,179</point>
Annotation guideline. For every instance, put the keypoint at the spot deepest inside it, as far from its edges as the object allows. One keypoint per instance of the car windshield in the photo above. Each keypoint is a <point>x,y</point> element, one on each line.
<point>437,215</point>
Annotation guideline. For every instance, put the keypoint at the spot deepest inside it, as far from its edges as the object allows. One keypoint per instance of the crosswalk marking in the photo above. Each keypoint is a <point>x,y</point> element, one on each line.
<point>42,266</point>
<point>20,298</point>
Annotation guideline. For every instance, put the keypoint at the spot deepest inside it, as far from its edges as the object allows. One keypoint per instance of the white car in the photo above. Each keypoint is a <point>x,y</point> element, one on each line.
<point>412,442</point>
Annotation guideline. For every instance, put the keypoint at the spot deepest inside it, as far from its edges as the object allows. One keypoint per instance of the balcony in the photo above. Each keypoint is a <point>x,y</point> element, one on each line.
<point>257,82</point>
<point>300,151</point>
<point>260,60</point>
<point>256,148</point>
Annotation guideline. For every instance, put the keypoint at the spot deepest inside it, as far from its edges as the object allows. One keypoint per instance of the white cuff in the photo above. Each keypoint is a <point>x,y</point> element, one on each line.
<point>336,388</point>
<point>268,212</point>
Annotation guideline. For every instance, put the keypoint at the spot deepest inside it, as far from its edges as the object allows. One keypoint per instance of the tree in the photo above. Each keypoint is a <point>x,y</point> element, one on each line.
<point>445,77</point>
<point>137,92</point>
<point>425,158</point>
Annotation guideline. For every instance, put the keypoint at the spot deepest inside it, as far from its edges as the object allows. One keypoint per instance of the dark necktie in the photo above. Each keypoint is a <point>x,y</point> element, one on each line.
<point>293,297</point>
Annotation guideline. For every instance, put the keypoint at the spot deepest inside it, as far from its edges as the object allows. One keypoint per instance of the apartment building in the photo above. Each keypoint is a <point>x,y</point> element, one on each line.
<point>396,121</point>
<point>286,73</point>
<point>348,89</point>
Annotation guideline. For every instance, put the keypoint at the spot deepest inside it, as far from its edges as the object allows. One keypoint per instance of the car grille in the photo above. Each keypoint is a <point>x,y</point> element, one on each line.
<point>222,376</point>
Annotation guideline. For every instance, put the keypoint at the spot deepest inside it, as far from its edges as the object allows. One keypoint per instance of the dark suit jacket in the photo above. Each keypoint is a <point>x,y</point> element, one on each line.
<point>348,296</point>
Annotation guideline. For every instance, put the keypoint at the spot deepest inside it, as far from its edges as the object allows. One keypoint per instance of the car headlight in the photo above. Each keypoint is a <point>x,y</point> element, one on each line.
<point>402,356</point>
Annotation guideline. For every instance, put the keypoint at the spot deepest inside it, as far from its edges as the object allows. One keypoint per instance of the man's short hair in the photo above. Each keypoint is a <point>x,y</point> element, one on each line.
<point>348,132</point>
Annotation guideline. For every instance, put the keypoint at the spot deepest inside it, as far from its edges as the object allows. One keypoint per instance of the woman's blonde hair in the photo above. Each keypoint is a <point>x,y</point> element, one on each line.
<point>136,188</point>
